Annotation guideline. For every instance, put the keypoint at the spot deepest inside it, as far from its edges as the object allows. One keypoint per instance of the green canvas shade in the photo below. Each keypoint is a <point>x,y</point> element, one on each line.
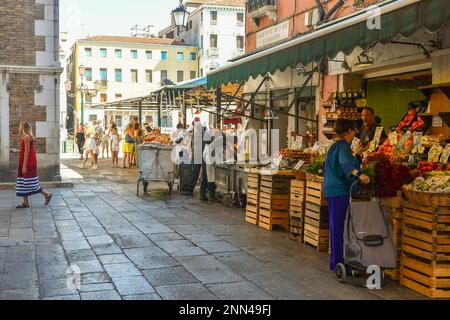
<point>398,17</point>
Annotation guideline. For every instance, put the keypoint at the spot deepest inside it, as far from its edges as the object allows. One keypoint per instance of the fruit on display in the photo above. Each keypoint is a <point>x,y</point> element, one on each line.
<point>296,155</point>
<point>429,141</point>
<point>426,166</point>
<point>433,184</point>
<point>159,138</point>
<point>316,166</point>
<point>389,177</point>
<point>411,122</point>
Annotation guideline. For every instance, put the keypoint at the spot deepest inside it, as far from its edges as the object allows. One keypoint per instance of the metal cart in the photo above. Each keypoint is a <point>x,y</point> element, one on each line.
<point>155,165</point>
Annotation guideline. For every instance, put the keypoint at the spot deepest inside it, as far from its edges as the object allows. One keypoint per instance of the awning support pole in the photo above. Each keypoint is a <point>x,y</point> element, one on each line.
<point>266,78</point>
<point>140,112</point>
<point>219,107</point>
<point>159,109</point>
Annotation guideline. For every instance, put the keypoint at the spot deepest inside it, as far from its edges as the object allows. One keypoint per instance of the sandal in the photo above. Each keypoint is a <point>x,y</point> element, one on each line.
<point>22,206</point>
<point>48,199</point>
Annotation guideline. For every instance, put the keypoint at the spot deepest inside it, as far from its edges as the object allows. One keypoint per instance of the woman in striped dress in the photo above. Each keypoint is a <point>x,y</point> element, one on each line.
<point>27,179</point>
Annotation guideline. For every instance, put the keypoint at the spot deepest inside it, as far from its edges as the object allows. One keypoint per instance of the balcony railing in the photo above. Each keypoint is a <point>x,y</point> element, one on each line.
<point>254,5</point>
<point>259,8</point>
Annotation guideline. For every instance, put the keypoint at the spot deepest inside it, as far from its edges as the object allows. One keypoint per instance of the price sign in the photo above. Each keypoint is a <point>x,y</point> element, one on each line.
<point>298,144</point>
<point>393,138</point>
<point>417,139</point>
<point>403,140</point>
<point>355,144</point>
<point>445,155</point>
<point>437,121</point>
<point>277,160</point>
<point>299,165</point>
<point>434,153</point>
<point>377,136</point>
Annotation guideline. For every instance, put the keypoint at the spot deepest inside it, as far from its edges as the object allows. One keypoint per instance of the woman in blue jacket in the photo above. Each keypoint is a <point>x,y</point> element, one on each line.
<point>342,169</point>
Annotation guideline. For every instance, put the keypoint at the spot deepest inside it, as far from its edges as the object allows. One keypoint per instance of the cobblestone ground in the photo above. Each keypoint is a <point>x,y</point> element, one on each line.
<point>154,247</point>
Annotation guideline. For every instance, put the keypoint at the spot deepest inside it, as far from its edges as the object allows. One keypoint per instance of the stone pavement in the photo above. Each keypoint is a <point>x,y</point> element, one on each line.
<point>153,247</point>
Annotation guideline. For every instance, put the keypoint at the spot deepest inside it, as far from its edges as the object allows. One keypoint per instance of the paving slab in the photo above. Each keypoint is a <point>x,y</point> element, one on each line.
<point>190,291</point>
<point>132,285</point>
<point>239,291</point>
<point>114,258</point>
<point>150,258</point>
<point>209,269</point>
<point>133,240</point>
<point>122,270</point>
<point>178,248</point>
<point>169,276</point>
<point>100,295</point>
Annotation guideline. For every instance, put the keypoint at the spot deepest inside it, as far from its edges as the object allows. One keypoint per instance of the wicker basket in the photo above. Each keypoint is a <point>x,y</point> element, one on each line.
<point>314,178</point>
<point>427,199</point>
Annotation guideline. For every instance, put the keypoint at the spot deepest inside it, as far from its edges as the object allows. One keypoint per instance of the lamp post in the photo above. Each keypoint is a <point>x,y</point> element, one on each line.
<point>82,71</point>
<point>180,15</point>
<point>84,89</point>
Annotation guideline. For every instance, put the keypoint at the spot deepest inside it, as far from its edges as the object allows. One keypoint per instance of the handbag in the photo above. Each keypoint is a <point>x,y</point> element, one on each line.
<point>128,139</point>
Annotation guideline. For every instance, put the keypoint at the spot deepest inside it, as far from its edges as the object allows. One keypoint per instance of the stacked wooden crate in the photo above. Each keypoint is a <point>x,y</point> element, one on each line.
<point>274,201</point>
<point>425,264</point>
<point>297,210</point>
<point>316,224</point>
<point>252,210</point>
<point>392,208</point>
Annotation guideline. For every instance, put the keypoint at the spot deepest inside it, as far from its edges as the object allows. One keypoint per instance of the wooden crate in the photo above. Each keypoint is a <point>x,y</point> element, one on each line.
<point>425,263</point>
<point>314,193</point>
<point>296,229</point>
<point>274,202</point>
<point>252,210</point>
<point>316,226</point>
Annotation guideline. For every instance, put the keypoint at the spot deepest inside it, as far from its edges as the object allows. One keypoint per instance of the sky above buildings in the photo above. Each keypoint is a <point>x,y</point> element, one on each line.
<point>81,18</point>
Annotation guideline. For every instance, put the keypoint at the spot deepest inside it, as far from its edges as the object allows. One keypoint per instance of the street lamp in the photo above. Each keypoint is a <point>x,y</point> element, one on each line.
<point>179,16</point>
<point>84,89</point>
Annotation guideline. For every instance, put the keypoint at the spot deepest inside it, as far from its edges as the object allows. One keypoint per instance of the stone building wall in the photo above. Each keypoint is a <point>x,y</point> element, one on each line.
<point>29,82</point>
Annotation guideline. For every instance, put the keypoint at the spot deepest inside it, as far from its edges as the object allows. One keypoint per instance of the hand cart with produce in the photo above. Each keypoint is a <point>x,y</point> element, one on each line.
<point>155,165</point>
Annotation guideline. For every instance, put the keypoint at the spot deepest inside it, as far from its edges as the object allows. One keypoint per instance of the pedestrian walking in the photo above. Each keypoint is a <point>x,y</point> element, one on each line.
<point>342,169</point>
<point>80,139</point>
<point>127,146</point>
<point>92,150</point>
<point>105,144</point>
<point>115,143</point>
<point>27,179</point>
<point>137,143</point>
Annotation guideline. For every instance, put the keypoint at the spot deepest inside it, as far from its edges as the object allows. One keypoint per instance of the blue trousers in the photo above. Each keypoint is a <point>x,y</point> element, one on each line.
<point>337,207</point>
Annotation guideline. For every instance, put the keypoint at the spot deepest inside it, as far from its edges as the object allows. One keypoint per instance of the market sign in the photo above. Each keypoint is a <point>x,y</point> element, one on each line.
<point>273,34</point>
<point>435,152</point>
<point>445,154</point>
<point>393,138</point>
<point>403,140</point>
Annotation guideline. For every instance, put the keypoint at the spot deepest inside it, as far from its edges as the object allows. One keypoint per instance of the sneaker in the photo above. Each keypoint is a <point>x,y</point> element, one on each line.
<point>81,166</point>
<point>94,168</point>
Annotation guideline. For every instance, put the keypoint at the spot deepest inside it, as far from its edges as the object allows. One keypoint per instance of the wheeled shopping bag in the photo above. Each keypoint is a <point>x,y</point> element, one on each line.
<point>367,240</point>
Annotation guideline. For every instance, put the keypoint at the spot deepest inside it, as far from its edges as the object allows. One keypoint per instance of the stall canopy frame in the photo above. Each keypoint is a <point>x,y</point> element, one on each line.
<point>399,17</point>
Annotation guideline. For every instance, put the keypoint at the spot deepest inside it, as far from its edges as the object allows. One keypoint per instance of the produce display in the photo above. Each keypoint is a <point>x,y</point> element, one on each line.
<point>426,166</point>
<point>316,167</point>
<point>433,184</point>
<point>411,122</point>
<point>157,137</point>
<point>295,155</point>
<point>387,176</point>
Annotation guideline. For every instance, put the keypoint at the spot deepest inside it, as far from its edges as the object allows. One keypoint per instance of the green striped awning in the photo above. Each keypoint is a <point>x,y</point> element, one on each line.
<point>398,17</point>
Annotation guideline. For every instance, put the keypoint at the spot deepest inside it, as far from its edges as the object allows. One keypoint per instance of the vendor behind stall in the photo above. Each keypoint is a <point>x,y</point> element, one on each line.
<point>367,132</point>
